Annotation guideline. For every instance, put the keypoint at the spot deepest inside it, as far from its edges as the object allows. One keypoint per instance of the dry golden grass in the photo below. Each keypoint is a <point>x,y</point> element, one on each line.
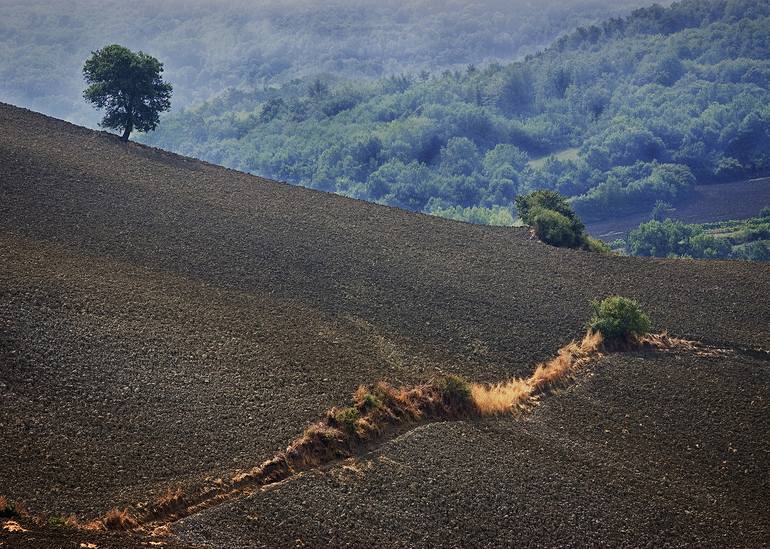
<point>169,497</point>
<point>569,357</point>
<point>500,398</point>
<point>117,519</point>
<point>663,341</point>
<point>510,395</point>
<point>13,526</point>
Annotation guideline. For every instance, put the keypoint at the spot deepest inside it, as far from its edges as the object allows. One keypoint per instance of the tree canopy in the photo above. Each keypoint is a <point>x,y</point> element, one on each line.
<point>128,87</point>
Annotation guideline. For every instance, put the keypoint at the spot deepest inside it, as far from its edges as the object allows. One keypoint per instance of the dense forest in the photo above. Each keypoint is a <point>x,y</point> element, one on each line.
<point>616,116</point>
<point>210,45</point>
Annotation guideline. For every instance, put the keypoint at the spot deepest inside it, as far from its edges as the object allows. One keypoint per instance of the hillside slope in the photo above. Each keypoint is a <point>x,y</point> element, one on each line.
<point>628,457</point>
<point>164,320</point>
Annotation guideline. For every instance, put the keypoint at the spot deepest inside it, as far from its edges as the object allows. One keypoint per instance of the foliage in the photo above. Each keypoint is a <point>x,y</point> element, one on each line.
<point>555,229</point>
<point>346,417</point>
<point>628,189</point>
<point>496,215</point>
<point>529,205</point>
<point>455,391</point>
<point>128,86</point>
<point>555,222</point>
<point>650,103</point>
<point>618,317</point>
<point>370,402</point>
<point>747,239</point>
<point>661,211</point>
<point>592,244</point>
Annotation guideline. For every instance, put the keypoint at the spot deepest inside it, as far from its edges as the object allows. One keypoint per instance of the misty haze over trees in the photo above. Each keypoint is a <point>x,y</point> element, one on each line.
<point>637,110</point>
<point>210,45</point>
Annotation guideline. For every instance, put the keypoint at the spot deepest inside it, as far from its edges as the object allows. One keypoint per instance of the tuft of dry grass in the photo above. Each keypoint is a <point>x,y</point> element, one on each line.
<point>508,396</point>
<point>500,398</point>
<point>569,357</point>
<point>117,519</point>
<point>663,341</point>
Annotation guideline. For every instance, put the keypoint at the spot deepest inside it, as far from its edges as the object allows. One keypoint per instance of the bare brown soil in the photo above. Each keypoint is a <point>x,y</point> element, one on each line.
<point>164,321</point>
<point>648,450</point>
<point>717,202</point>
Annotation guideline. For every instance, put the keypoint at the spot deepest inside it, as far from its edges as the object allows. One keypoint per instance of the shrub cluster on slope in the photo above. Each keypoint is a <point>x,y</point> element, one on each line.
<point>618,318</point>
<point>654,102</point>
<point>375,410</point>
<point>555,222</point>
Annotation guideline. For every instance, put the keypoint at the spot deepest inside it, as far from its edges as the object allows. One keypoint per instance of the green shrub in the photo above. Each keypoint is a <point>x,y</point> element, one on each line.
<point>543,199</point>
<point>369,402</point>
<point>595,245</point>
<point>764,212</point>
<point>59,521</point>
<point>753,251</point>
<point>555,229</point>
<point>455,391</point>
<point>346,418</point>
<point>618,317</point>
<point>555,222</point>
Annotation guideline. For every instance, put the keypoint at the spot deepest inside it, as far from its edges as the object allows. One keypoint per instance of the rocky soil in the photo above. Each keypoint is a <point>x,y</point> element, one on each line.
<point>163,320</point>
<point>644,451</point>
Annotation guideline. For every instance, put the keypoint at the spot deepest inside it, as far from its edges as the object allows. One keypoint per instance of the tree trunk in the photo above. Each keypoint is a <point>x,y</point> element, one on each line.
<point>129,122</point>
<point>127,132</point>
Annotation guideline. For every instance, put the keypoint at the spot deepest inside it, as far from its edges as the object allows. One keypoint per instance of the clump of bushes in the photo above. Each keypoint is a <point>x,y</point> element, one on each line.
<point>618,318</point>
<point>365,401</point>
<point>555,222</point>
<point>455,392</point>
<point>346,418</point>
<point>554,228</point>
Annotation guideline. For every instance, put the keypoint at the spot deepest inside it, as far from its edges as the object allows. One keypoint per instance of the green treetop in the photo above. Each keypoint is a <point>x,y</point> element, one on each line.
<point>128,86</point>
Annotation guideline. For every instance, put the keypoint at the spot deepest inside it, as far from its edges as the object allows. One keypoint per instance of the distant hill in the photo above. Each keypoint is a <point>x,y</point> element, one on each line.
<point>656,102</point>
<point>166,321</point>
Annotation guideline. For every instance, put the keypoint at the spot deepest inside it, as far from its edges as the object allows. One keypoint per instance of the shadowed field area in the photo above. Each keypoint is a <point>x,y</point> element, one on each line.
<point>717,202</point>
<point>163,320</point>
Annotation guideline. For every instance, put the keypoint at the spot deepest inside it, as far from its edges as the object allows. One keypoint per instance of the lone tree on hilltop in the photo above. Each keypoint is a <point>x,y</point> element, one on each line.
<point>128,86</point>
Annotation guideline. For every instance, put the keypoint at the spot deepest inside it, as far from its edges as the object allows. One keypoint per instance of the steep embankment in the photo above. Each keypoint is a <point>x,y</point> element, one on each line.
<point>165,320</point>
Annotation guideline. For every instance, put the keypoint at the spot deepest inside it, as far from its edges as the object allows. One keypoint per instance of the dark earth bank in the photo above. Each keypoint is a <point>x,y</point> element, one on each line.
<point>163,320</point>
